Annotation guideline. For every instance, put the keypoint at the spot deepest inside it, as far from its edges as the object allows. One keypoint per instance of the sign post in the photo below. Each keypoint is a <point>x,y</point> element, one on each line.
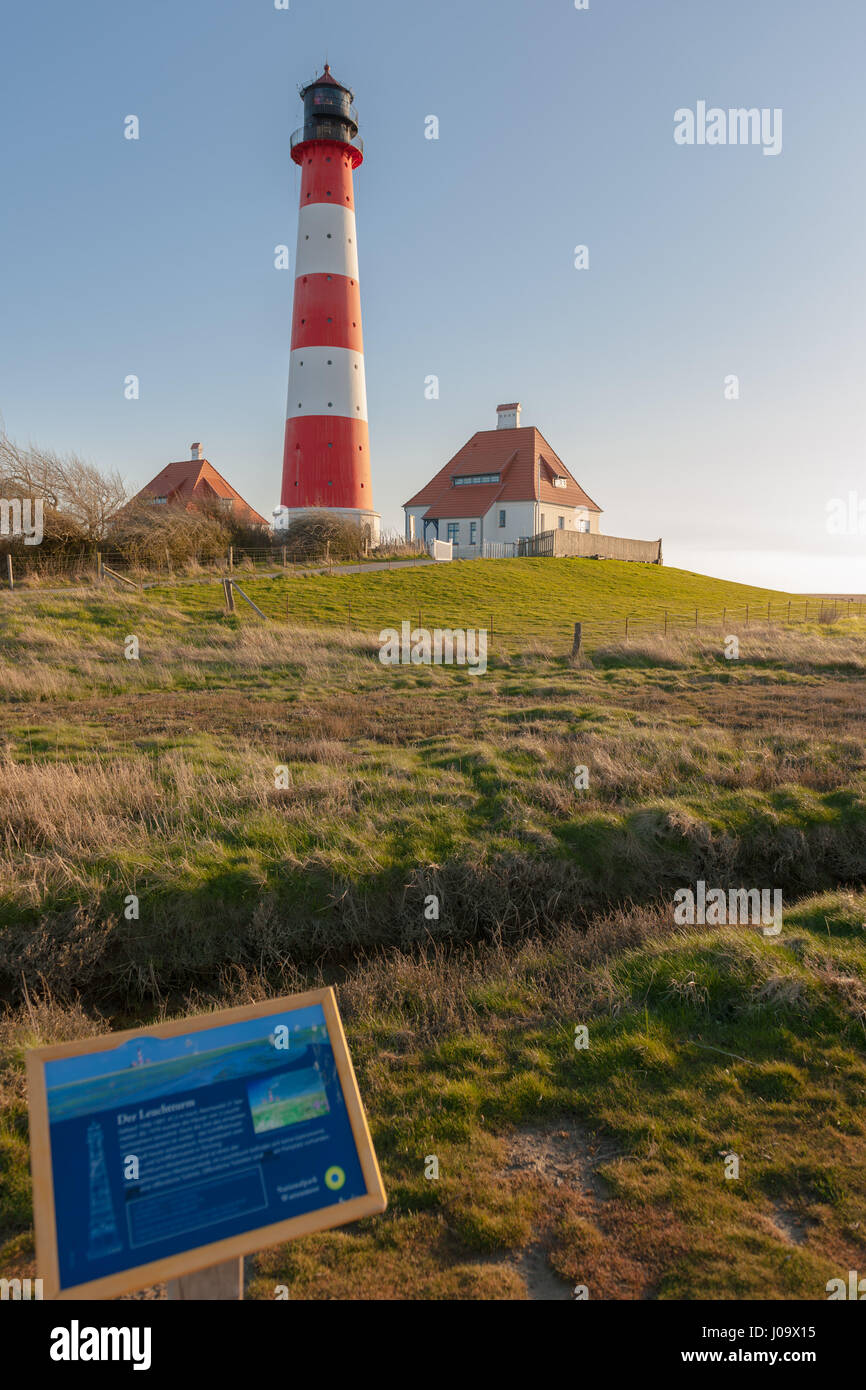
<point>170,1152</point>
<point>225,1281</point>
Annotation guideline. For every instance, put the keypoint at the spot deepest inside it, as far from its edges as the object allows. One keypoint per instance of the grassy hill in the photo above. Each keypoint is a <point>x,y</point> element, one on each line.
<point>526,599</point>
<point>156,777</point>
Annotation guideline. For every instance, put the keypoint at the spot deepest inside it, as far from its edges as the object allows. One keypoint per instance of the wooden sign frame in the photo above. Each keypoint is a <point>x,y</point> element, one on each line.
<point>199,1257</point>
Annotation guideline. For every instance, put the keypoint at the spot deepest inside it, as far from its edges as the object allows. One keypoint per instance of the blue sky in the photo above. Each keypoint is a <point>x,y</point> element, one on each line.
<point>155,257</point>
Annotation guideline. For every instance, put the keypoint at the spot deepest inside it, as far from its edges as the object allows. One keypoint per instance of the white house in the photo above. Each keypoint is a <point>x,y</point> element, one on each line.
<point>503,485</point>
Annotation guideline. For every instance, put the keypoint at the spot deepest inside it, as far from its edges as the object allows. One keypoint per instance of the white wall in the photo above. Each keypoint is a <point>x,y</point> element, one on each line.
<point>521,519</point>
<point>417,513</point>
<point>552,511</point>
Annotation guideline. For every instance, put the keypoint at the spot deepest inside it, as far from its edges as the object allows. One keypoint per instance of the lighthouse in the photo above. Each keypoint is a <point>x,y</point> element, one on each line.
<point>326,455</point>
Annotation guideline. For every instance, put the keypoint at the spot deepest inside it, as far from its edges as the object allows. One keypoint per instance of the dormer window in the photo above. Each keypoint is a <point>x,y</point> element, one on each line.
<point>560,482</point>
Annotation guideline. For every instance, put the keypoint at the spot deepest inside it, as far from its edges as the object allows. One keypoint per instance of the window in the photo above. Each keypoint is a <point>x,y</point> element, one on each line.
<point>472,479</point>
<point>583,526</point>
<point>502,518</point>
<point>560,482</point>
<point>473,526</point>
<point>560,521</point>
<point>161,500</point>
<point>454,532</point>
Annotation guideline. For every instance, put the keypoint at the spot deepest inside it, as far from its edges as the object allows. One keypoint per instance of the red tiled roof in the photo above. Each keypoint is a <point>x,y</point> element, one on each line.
<point>514,454</point>
<point>195,480</point>
<point>511,405</point>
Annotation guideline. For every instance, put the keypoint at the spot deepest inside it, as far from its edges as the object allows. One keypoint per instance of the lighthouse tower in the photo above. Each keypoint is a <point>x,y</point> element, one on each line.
<point>326,457</point>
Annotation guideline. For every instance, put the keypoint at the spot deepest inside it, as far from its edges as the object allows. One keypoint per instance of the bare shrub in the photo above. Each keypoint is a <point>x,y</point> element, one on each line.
<point>321,534</point>
<point>149,535</point>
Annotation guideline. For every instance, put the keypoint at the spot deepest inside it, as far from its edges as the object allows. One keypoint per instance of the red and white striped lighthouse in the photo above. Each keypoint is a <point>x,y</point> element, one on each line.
<point>326,457</point>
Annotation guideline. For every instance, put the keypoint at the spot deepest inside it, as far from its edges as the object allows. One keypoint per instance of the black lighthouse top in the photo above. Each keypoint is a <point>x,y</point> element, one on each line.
<point>328,114</point>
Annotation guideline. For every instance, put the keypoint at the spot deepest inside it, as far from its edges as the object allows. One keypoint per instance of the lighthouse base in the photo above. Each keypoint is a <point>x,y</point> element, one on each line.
<point>369,523</point>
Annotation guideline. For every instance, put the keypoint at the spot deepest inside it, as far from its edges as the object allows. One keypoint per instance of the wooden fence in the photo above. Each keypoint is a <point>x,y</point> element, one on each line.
<point>588,545</point>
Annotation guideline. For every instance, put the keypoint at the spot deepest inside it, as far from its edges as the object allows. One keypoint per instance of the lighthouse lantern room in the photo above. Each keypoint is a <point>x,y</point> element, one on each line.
<point>326,456</point>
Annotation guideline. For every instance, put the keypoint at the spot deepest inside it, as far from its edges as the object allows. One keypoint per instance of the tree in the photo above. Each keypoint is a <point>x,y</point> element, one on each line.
<point>80,501</point>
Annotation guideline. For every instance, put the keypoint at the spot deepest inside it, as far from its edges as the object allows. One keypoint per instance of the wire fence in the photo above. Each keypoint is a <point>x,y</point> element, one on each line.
<point>617,626</point>
<point>364,614</point>
<point>20,566</point>
<point>663,622</point>
<point>724,622</point>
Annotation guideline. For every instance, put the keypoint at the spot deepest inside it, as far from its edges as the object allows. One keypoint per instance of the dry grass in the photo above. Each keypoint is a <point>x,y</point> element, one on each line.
<point>401,784</point>
<point>794,648</point>
<point>156,778</point>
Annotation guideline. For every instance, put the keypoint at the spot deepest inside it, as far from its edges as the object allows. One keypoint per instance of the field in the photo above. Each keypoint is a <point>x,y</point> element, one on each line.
<point>426,849</point>
<point>292,1111</point>
<point>520,600</point>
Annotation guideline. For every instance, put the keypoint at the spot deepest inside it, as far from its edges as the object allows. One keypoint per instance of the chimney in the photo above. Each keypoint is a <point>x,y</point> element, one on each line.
<point>508,416</point>
<point>196,450</point>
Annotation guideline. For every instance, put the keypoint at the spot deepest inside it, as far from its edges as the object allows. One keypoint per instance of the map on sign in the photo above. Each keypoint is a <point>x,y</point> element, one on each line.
<point>232,1131</point>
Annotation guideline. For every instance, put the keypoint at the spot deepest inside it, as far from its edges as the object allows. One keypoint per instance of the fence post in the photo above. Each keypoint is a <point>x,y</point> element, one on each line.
<point>232,585</point>
<point>231,557</point>
<point>491,625</point>
<point>789,610</point>
<point>575,646</point>
<point>626,628</point>
<point>284,557</point>
<point>98,565</point>
<point>9,568</point>
<point>222,1282</point>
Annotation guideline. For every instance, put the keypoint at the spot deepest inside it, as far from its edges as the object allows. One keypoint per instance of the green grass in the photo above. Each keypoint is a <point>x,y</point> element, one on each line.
<point>156,777</point>
<point>527,599</point>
